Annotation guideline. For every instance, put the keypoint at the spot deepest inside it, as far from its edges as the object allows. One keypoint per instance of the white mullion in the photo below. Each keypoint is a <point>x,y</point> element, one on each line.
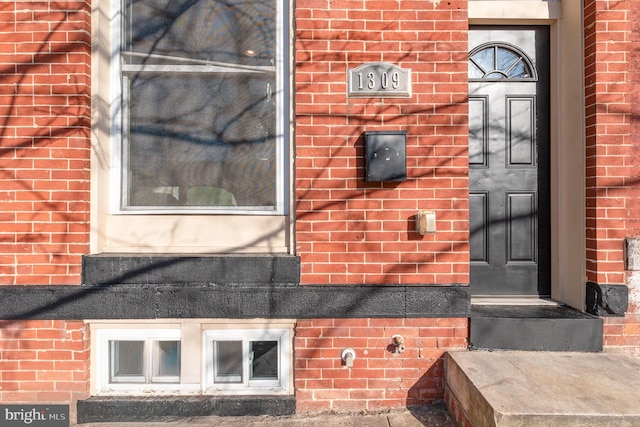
<point>245,362</point>
<point>124,145</point>
<point>281,115</point>
<point>148,362</point>
<point>115,103</point>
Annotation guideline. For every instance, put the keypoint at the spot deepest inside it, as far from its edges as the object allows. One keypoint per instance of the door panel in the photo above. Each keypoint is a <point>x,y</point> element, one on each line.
<point>509,161</point>
<point>522,237</point>
<point>520,118</point>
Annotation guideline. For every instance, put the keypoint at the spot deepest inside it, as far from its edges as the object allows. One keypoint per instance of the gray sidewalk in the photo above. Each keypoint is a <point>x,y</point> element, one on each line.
<point>435,416</point>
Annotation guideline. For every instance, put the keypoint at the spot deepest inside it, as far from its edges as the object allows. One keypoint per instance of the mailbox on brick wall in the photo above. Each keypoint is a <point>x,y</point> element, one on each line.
<point>385,154</point>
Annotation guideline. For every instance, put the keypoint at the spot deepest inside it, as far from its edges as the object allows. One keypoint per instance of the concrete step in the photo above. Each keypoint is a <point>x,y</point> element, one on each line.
<point>534,327</point>
<point>513,388</point>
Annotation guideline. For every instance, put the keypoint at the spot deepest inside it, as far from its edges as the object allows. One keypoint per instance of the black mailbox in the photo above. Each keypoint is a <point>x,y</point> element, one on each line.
<point>385,155</point>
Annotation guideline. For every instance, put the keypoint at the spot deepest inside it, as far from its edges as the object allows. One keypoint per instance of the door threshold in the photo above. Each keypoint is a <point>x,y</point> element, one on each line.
<point>513,300</point>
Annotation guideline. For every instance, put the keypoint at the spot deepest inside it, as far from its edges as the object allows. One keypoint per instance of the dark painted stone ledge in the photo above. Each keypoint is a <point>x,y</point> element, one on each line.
<point>109,269</point>
<point>607,300</point>
<point>161,301</point>
<point>158,409</point>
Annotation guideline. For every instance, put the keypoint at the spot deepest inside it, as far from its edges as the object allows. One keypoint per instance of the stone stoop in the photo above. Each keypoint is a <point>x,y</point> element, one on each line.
<point>518,389</point>
<point>533,327</point>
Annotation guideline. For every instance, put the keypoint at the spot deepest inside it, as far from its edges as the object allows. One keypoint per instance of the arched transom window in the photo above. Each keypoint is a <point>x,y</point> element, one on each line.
<point>500,61</point>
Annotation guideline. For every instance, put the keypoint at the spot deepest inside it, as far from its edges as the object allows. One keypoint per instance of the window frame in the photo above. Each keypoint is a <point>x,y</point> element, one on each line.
<point>118,126</point>
<point>248,386</point>
<point>144,383</point>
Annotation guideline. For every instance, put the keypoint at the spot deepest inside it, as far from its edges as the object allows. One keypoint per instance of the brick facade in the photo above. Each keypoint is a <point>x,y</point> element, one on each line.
<point>45,108</point>
<point>609,172</point>
<point>380,378</point>
<point>44,361</point>
<point>612,156</point>
<point>347,231</point>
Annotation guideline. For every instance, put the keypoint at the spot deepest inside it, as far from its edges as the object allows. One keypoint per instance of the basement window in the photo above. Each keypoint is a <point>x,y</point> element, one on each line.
<point>148,361</point>
<point>247,361</point>
<point>192,357</point>
<point>138,359</point>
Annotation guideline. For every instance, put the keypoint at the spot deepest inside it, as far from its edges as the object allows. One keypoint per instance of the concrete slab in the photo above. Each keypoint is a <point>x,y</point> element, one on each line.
<point>545,389</point>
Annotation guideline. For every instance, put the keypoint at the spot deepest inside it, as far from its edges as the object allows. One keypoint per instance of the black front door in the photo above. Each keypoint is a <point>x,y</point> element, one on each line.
<point>509,161</point>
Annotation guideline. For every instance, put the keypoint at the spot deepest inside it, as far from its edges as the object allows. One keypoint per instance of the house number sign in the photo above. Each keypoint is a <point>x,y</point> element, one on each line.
<point>379,80</point>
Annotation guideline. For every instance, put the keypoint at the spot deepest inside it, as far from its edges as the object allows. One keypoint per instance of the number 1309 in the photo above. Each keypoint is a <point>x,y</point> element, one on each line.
<point>379,79</point>
<point>383,80</point>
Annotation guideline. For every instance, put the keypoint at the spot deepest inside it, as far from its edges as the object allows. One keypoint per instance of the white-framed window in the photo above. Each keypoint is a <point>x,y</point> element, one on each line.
<point>138,359</point>
<point>192,357</point>
<point>247,361</point>
<point>199,121</point>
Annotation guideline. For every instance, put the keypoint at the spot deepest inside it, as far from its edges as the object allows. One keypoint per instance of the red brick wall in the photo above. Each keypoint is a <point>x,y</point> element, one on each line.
<point>613,156</point>
<point>612,31</point>
<point>43,361</point>
<point>352,232</point>
<point>44,140</point>
<point>611,175</point>
<point>379,378</point>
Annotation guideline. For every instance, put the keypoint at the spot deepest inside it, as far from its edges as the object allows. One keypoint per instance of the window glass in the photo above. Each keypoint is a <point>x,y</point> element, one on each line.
<point>228,361</point>
<point>166,360</point>
<point>505,59</point>
<point>485,59</point>
<point>264,360</point>
<point>227,31</point>
<point>127,361</point>
<point>199,89</point>
<point>499,61</point>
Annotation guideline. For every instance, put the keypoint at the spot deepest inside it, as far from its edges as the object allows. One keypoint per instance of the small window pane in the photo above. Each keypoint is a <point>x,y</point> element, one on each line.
<point>505,59</point>
<point>519,71</point>
<point>127,361</point>
<point>264,359</point>
<point>485,58</point>
<point>474,71</point>
<point>228,361</point>
<point>172,31</point>
<point>496,75</point>
<point>166,359</point>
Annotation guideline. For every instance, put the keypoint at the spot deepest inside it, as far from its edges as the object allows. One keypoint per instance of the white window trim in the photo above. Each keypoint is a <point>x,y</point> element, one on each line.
<point>103,385</point>
<point>248,387</point>
<point>282,127</point>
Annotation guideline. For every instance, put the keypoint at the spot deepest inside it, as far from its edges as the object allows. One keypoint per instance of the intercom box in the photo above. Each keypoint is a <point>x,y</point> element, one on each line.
<point>385,155</point>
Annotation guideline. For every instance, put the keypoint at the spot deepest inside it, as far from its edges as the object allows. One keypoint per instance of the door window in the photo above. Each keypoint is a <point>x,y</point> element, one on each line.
<point>500,61</point>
